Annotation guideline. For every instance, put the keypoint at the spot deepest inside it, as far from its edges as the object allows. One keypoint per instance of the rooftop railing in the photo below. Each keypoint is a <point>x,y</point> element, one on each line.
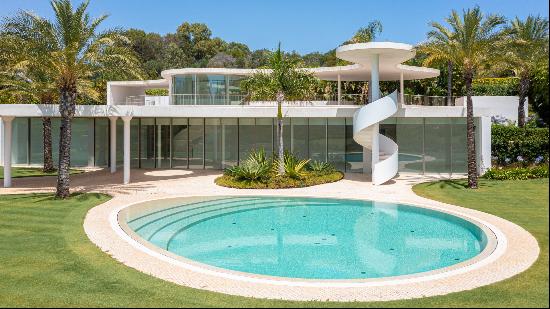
<point>239,99</point>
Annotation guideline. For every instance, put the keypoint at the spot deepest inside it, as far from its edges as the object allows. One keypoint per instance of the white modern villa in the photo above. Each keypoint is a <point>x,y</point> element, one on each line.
<point>204,123</point>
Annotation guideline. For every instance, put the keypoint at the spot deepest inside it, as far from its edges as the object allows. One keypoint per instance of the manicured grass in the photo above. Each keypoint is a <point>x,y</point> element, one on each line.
<point>17,172</point>
<point>47,260</point>
<point>280,182</point>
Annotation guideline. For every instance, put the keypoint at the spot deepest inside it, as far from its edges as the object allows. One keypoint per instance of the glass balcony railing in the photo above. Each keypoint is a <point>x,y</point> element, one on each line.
<point>239,99</point>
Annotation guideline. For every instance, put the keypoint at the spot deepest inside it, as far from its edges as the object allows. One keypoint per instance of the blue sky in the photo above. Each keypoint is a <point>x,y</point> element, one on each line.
<point>301,25</point>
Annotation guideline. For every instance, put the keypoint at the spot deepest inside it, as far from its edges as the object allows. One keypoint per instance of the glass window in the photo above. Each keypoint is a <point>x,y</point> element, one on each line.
<point>20,138</point>
<point>234,89</point>
<point>459,151</point>
<point>299,137</point>
<point>354,151</point>
<point>336,142</point>
<point>134,143</point>
<point>183,90</point>
<point>317,139</point>
<point>101,136</point>
<point>37,142</point>
<point>196,143</point>
<point>119,142</point>
<point>147,143</point>
<point>211,90</point>
<point>255,133</point>
<point>230,138</point>
<point>180,138</point>
<point>162,140</point>
<point>409,134</point>
<point>437,145</point>
<point>213,143</point>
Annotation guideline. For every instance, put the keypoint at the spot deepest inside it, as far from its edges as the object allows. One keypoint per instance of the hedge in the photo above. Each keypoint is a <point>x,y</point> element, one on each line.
<point>156,92</point>
<point>517,173</point>
<point>507,86</point>
<point>511,144</point>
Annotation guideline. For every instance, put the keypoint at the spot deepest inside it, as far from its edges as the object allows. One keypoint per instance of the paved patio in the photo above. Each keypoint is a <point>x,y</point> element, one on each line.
<point>516,249</point>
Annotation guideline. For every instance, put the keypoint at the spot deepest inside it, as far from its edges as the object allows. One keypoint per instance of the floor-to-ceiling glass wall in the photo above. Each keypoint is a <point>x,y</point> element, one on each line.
<point>37,141</point>
<point>180,140</point>
<point>317,139</point>
<point>255,134</point>
<point>163,141</point>
<point>196,143</point>
<point>299,137</point>
<point>101,143</point>
<point>213,143</point>
<point>211,90</point>
<point>147,143</point>
<point>336,146</point>
<point>354,151</point>
<point>437,145</point>
<point>183,90</point>
<point>20,145</point>
<point>230,142</point>
<point>459,150</point>
<point>410,138</point>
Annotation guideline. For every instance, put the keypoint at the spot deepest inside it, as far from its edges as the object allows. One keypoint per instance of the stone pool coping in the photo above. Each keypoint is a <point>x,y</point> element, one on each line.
<point>516,251</point>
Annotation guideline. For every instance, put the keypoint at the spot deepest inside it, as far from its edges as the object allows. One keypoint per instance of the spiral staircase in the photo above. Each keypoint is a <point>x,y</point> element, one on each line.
<point>366,121</point>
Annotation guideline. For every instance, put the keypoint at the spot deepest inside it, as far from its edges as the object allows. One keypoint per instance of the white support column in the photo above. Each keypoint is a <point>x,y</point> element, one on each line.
<point>112,146</point>
<point>375,77</point>
<point>339,90</point>
<point>401,89</point>
<point>375,90</point>
<point>126,120</point>
<point>7,140</point>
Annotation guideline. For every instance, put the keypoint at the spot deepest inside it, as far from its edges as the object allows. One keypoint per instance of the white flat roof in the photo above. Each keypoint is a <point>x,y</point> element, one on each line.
<point>391,57</point>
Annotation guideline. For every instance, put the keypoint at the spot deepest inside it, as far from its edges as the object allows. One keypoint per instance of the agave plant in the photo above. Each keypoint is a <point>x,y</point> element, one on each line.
<point>321,167</point>
<point>293,167</point>
<point>255,168</point>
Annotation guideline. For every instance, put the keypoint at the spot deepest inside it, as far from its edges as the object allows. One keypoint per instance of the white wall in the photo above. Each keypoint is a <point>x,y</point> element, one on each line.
<point>504,106</point>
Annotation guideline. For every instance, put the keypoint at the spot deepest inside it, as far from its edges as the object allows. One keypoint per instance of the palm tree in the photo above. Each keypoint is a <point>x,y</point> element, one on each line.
<point>284,81</point>
<point>527,47</point>
<point>438,53</point>
<point>20,78</point>
<point>469,43</point>
<point>366,34</point>
<point>73,52</point>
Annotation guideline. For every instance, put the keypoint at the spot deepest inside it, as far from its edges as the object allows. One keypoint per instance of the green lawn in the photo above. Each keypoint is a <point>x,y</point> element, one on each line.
<point>47,260</point>
<point>17,172</point>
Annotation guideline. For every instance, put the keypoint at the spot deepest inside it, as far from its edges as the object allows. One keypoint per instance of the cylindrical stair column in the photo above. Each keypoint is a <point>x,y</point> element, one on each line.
<point>375,91</point>
<point>126,120</point>
<point>7,141</point>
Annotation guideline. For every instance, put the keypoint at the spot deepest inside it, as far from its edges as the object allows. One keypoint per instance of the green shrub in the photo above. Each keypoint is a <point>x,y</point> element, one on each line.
<point>294,167</point>
<point>256,168</point>
<point>156,92</point>
<point>321,167</point>
<point>517,173</point>
<point>511,144</point>
<point>280,182</point>
<point>507,86</point>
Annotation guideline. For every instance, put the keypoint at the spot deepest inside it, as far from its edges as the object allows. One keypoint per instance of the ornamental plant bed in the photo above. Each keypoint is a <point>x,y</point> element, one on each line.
<point>280,182</point>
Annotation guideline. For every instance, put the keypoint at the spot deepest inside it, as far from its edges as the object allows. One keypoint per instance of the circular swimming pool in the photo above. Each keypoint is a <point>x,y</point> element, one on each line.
<point>307,238</point>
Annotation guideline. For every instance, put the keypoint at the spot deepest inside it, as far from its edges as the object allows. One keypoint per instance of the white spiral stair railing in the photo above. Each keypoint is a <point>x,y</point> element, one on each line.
<point>365,131</point>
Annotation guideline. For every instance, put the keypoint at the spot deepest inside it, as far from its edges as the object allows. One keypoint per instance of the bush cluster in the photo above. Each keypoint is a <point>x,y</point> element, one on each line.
<point>517,173</point>
<point>506,86</point>
<point>523,146</point>
<point>156,92</point>
<point>260,172</point>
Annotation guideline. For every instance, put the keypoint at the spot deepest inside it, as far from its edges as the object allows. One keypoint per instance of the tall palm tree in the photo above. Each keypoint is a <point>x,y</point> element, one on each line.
<point>73,52</point>
<point>366,34</point>
<point>469,42</point>
<point>283,81</point>
<point>439,53</point>
<point>526,46</point>
<point>20,78</point>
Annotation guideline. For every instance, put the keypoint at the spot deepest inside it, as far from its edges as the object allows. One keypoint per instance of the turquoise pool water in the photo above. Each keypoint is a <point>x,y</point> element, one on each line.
<point>311,238</point>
